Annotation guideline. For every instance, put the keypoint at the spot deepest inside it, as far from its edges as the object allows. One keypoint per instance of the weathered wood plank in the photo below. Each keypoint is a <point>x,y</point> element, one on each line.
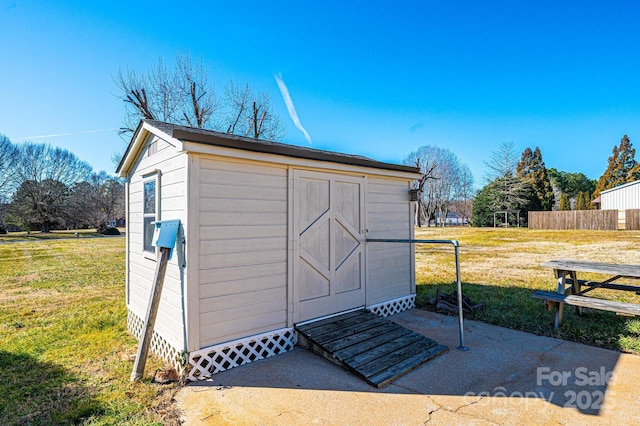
<point>611,286</point>
<point>306,328</point>
<point>372,344</point>
<point>341,321</point>
<point>384,377</point>
<point>399,345</point>
<point>342,332</point>
<point>337,324</point>
<point>150,317</point>
<point>312,346</point>
<point>597,267</point>
<point>381,363</point>
<point>589,302</point>
<point>358,343</point>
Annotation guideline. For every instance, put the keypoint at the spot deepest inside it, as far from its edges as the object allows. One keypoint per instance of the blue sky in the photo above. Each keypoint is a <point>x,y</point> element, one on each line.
<point>378,79</point>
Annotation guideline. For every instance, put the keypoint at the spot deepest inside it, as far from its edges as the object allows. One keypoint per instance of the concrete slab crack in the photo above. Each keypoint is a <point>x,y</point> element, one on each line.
<point>440,407</point>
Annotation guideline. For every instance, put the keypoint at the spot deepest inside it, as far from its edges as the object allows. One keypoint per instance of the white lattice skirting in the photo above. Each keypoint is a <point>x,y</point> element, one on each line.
<point>159,345</point>
<point>391,307</point>
<point>208,361</point>
<point>214,359</point>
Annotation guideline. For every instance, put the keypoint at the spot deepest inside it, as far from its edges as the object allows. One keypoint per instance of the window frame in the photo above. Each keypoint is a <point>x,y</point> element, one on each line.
<point>147,178</point>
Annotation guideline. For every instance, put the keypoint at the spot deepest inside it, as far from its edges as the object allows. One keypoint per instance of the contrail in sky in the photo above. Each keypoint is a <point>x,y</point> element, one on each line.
<point>290,107</point>
<point>56,135</point>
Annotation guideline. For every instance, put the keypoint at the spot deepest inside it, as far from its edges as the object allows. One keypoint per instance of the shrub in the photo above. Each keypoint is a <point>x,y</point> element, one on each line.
<point>2,230</point>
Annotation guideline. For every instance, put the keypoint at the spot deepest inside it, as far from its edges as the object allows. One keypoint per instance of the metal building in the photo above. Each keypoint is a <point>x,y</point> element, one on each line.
<point>621,197</point>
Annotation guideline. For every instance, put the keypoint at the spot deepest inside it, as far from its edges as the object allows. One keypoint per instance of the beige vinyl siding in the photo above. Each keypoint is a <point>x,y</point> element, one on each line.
<point>141,266</point>
<point>243,249</point>
<point>389,265</point>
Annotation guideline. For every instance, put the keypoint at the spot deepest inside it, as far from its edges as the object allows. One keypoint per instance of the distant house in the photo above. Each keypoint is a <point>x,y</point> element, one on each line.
<point>623,197</point>
<point>451,219</point>
<point>116,223</point>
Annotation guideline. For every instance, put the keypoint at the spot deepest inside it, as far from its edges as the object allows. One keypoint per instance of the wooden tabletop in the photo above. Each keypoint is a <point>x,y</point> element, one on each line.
<point>598,267</point>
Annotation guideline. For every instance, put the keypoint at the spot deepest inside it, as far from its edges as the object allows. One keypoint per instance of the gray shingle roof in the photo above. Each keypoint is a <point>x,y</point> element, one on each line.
<point>211,137</point>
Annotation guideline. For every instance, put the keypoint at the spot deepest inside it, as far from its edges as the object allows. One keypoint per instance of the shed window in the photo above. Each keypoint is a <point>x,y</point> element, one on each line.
<point>150,211</point>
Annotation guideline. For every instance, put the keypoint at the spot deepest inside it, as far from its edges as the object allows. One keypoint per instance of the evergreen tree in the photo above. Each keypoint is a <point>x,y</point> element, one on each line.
<point>564,202</point>
<point>531,168</point>
<point>507,193</point>
<point>583,201</point>
<point>571,183</point>
<point>587,201</point>
<point>481,213</point>
<point>622,167</point>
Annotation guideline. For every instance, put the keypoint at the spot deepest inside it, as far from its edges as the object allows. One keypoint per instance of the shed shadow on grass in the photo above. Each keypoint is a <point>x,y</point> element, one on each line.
<point>41,393</point>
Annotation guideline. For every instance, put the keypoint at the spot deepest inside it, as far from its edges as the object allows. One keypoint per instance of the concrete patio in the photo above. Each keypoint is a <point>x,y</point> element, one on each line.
<point>506,377</point>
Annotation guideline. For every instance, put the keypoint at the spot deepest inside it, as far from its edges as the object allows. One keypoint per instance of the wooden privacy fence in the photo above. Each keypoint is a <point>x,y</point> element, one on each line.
<point>632,219</point>
<point>586,219</point>
<point>575,219</point>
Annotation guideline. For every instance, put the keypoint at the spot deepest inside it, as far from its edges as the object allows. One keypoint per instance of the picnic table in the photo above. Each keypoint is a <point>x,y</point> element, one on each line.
<point>572,290</point>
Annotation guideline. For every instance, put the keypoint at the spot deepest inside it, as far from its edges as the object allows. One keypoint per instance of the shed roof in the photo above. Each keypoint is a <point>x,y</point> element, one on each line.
<point>211,137</point>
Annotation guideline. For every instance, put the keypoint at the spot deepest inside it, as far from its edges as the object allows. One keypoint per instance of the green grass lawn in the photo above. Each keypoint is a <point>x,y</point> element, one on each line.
<point>500,268</point>
<point>66,356</point>
<point>65,353</point>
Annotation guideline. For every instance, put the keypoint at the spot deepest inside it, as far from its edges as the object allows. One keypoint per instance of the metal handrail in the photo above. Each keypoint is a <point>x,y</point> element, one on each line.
<point>456,246</point>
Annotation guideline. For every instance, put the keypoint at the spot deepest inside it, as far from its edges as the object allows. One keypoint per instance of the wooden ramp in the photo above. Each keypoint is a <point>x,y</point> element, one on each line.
<point>372,347</point>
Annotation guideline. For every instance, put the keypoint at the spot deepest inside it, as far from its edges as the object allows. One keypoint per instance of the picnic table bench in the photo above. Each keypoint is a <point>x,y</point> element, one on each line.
<point>571,290</point>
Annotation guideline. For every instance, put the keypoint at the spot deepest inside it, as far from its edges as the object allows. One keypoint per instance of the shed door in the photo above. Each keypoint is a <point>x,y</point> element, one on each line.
<point>329,254</point>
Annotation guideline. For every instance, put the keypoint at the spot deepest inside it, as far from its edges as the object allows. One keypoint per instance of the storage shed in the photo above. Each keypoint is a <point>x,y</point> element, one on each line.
<point>272,235</point>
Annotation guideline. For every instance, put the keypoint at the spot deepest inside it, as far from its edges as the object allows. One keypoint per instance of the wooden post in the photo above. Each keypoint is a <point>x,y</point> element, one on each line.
<point>560,307</point>
<point>150,318</point>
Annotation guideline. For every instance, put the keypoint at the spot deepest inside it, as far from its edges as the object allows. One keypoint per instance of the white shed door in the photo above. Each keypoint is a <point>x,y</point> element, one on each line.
<point>329,254</point>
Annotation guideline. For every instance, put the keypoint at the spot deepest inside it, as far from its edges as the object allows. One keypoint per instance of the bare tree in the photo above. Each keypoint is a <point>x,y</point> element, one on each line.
<point>465,193</point>
<point>503,162</point>
<point>137,103</point>
<point>179,95</point>
<point>44,176</point>
<point>81,206</point>
<point>156,95</point>
<point>8,152</point>
<point>426,203</point>
<point>109,197</point>
<point>236,101</point>
<point>252,115</point>
<point>199,100</point>
<point>444,181</point>
<point>93,202</point>
<point>184,95</point>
